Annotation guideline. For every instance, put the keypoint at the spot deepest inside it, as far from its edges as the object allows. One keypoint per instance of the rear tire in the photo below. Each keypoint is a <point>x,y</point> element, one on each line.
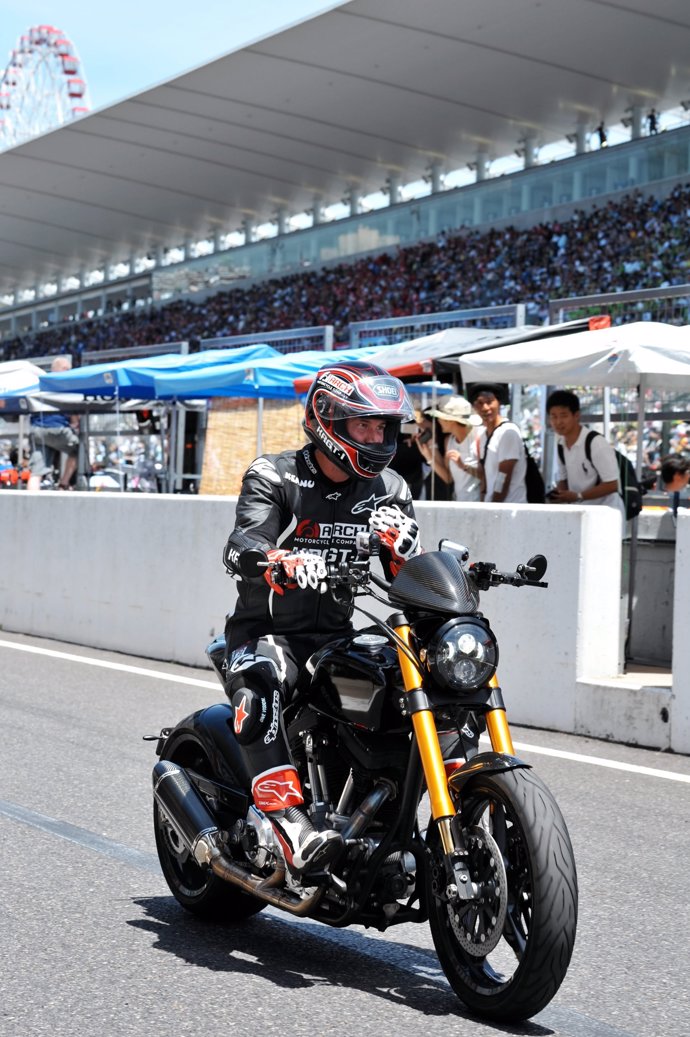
<point>195,887</point>
<point>518,977</point>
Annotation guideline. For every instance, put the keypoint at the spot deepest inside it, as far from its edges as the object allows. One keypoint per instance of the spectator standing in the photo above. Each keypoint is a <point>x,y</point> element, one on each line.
<point>675,476</point>
<point>459,464</point>
<point>503,460</point>
<point>431,444</point>
<point>603,137</point>
<point>652,121</point>
<point>675,473</point>
<point>581,479</point>
<point>56,431</point>
<point>408,460</point>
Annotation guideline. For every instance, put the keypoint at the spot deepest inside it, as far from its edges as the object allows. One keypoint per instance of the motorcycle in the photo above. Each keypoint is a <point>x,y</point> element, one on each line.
<point>384,727</point>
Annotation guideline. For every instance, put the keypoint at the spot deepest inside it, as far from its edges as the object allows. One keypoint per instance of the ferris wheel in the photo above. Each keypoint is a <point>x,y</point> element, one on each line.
<point>42,87</point>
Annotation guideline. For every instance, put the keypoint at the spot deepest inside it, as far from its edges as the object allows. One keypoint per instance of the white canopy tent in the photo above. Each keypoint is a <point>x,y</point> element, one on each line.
<point>639,355</point>
<point>644,352</point>
<point>642,355</point>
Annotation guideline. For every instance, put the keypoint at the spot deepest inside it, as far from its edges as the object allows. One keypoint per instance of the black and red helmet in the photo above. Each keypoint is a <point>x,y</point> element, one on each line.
<point>355,389</point>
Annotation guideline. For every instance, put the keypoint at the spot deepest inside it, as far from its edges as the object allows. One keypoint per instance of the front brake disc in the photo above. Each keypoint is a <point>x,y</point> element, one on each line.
<point>478,924</point>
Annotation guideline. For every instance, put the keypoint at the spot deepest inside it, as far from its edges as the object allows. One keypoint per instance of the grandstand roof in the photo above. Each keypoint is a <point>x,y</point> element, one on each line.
<point>369,88</point>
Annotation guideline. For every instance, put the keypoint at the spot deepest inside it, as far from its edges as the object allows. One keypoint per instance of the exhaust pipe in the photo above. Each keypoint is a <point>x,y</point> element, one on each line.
<point>192,820</point>
<point>368,808</point>
<point>186,810</point>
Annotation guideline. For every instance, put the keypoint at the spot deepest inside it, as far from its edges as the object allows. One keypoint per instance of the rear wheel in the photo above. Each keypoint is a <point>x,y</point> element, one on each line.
<point>507,956</point>
<point>195,887</point>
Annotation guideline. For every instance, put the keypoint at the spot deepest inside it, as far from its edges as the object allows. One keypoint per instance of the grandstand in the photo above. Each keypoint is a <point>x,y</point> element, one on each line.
<point>369,95</point>
<point>172,219</point>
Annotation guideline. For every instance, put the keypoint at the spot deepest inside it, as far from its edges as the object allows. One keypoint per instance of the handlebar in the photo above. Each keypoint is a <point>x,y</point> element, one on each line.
<point>485,574</point>
<point>356,573</point>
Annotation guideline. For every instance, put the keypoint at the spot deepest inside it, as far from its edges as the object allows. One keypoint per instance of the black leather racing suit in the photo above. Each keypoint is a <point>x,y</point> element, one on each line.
<point>287,502</point>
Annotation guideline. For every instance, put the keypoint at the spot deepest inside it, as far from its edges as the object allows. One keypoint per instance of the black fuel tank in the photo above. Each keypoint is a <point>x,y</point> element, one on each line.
<point>357,679</point>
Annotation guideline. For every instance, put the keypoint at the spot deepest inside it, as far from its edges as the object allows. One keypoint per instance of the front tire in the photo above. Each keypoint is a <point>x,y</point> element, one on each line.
<point>197,888</point>
<point>523,969</point>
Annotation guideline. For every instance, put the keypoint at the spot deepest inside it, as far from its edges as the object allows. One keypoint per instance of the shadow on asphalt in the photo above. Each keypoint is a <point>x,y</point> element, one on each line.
<point>281,954</point>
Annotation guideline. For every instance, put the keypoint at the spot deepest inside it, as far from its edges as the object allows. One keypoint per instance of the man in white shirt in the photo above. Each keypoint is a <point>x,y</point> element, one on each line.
<point>503,456</point>
<point>459,463</point>
<point>581,479</point>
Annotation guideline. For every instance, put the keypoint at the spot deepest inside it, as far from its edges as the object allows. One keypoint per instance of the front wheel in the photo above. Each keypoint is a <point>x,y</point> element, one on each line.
<point>506,956</point>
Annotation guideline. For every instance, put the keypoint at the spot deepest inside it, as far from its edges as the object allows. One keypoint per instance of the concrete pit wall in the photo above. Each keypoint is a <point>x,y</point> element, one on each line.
<point>143,575</point>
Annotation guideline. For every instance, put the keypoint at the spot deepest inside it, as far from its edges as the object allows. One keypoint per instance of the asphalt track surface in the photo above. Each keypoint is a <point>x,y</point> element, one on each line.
<point>92,942</point>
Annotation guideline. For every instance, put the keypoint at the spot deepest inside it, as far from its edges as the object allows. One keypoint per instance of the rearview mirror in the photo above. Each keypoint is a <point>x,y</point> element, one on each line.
<point>538,566</point>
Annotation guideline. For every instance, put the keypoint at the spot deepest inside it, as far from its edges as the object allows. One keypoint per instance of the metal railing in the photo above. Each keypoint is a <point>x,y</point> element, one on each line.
<point>390,330</point>
<point>670,305</point>
<point>289,340</point>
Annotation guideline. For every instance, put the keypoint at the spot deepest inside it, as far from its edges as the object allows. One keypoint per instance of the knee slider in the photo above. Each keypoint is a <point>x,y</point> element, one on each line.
<point>250,715</point>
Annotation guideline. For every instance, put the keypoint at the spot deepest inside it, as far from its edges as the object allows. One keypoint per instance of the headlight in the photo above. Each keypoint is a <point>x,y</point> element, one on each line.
<point>463,655</point>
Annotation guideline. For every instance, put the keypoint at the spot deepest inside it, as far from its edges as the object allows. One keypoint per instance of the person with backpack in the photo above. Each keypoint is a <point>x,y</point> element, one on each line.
<point>503,460</point>
<point>587,471</point>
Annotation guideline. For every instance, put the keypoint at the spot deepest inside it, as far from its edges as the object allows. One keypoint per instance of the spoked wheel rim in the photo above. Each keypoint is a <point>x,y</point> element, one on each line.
<point>478,926</point>
<point>189,878</point>
<point>492,827</point>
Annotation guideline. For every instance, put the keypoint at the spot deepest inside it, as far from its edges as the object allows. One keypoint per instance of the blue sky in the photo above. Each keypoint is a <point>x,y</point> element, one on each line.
<point>133,44</point>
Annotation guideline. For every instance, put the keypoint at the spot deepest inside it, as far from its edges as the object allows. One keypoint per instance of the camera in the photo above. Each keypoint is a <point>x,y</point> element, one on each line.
<point>425,435</point>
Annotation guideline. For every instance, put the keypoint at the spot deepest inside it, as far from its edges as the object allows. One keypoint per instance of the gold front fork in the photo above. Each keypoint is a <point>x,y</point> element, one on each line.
<point>497,726</point>
<point>442,809</point>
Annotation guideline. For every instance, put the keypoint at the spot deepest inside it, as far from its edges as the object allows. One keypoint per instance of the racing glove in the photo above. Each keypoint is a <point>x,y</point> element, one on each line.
<point>398,532</point>
<point>295,569</point>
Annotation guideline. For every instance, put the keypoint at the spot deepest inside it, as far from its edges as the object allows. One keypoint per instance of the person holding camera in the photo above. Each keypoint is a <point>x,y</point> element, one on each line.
<point>430,443</point>
<point>408,461</point>
<point>458,464</point>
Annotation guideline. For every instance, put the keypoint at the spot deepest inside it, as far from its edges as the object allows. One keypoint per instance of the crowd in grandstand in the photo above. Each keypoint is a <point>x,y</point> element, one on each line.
<point>637,242</point>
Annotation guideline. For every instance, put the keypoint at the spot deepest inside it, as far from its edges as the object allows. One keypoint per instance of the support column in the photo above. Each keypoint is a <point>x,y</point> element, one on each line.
<point>436,176</point>
<point>482,164</point>
<point>579,138</point>
<point>354,200</point>
<point>393,188</point>
<point>247,230</point>
<point>636,127</point>
<point>281,220</point>
<point>316,211</point>
<point>530,145</point>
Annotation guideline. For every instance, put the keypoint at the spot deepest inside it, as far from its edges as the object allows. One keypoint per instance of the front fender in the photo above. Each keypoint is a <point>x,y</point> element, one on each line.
<point>212,728</point>
<point>483,763</point>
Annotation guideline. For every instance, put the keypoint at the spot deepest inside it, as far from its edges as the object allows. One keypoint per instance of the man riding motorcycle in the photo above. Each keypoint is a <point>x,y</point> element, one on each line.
<point>304,509</point>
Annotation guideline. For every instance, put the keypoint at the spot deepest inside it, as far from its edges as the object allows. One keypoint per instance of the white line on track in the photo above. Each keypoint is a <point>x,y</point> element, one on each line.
<point>632,768</point>
<point>161,675</point>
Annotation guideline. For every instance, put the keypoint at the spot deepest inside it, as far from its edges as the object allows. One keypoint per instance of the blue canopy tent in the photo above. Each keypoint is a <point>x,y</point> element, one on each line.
<point>251,372</point>
<point>134,378</point>
<point>256,378</point>
<point>259,379</point>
